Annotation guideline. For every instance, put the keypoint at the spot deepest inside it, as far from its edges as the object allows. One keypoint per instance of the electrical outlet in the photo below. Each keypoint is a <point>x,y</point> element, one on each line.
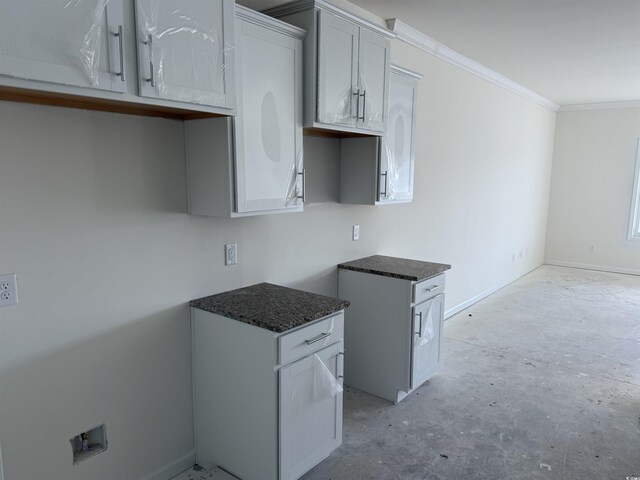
<point>8,290</point>
<point>230,254</point>
<point>356,232</point>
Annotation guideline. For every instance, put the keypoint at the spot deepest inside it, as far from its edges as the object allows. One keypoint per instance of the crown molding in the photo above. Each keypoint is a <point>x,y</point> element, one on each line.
<point>406,72</point>
<point>424,42</point>
<point>600,106</point>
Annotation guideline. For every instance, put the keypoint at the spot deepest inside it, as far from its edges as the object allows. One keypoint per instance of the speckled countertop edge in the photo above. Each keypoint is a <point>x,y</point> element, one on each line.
<point>403,268</point>
<point>272,307</point>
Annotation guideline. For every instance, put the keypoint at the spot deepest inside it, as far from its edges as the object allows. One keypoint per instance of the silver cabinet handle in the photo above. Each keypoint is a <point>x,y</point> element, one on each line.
<point>121,49</point>
<point>356,93</point>
<point>364,104</point>
<point>341,364</point>
<point>432,288</point>
<point>419,332</point>
<point>386,176</point>
<point>322,336</point>
<point>304,185</point>
<point>151,78</point>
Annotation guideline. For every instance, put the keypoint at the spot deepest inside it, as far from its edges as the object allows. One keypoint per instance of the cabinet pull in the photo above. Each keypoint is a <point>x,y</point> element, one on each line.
<point>322,336</point>
<point>151,78</point>
<point>356,93</point>
<point>419,332</point>
<point>121,50</point>
<point>431,288</point>
<point>304,185</point>
<point>364,104</point>
<point>386,176</point>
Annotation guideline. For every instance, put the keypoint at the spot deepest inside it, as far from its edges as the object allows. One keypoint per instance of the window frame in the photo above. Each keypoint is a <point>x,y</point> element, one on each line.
<point>634,216</point>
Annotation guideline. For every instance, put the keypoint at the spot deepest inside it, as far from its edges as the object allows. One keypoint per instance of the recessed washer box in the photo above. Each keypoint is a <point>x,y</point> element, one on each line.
<point>88,444</point>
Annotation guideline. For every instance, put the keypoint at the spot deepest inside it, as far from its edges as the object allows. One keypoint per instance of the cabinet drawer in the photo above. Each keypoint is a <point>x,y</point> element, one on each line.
<point>428,288</point>
<point>310,339</point>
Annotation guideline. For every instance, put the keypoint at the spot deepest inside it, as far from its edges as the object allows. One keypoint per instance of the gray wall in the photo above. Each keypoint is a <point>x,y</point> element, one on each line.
<point>92,216</point>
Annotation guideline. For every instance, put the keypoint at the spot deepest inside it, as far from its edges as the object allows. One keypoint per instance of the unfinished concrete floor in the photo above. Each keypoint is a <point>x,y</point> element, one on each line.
<point>541,381</point>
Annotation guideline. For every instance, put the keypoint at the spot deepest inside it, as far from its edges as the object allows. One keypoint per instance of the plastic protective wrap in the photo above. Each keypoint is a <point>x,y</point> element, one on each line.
<point>427,329</point>
<point>370,117</point>
<point>61,41</point>
<point>343,112</point>
<point>294,196</point>
<point>183,49</point>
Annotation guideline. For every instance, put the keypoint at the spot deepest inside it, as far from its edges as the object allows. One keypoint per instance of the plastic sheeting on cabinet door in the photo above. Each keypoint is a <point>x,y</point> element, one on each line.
<point>295,194</point>
<point>371,121</point>
<point>325,384</point>
<point>427,332</point>
<point>58,33</point>
<point>185,46</point>
<point>340,113</point>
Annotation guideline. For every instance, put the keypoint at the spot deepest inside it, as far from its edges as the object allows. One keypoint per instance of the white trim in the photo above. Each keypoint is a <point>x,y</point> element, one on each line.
<point>406,72</point>
<point>458,308</point>
<point>424,42</point>
<point>172,469</point>
<point>634,212</point>
<point>297,6</point>
<point>599,106</point>
<point>271,23</point>
<point>587,266</point>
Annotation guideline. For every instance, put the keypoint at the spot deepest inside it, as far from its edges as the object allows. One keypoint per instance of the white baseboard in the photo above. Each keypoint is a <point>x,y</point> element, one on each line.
<point>588,266</point>
<point>172,469</point>
<point>458,308</point>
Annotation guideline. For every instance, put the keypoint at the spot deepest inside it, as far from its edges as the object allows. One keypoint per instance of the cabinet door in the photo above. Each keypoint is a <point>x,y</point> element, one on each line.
<point>397,156</point>
<point>427,339</point>
<point>269,174</point>
<point>373,80</point>
<point>337,71</point>
<point>183,48</point>
<point>71,43</point>
<point>310,410</point>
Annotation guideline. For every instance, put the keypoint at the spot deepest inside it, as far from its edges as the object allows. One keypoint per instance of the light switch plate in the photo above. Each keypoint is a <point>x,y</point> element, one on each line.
<point>8,290</point>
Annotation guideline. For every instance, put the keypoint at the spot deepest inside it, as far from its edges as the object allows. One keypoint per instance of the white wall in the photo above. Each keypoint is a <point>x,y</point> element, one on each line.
<point>92,216</point>
<point>591,189</point>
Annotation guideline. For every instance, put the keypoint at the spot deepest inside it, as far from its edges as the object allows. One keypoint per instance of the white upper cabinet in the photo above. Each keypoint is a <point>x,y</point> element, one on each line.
<point>346,66</point>
<point>184,50</point>
<point>253,164</point>
<point>373,80</point>
<point>148,57</point>
<point>64,42</point>
<point>397,156</point>
<point>338,77</point>
<point>377,171</point>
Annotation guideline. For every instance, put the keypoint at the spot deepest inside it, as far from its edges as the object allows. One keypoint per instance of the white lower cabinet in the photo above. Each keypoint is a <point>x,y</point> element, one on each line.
<point>267,406</point>
<point>253,164</point>
<point>393,332</point>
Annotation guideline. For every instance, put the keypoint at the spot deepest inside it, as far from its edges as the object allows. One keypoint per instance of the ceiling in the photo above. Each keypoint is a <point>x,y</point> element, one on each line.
<point>570,51</point>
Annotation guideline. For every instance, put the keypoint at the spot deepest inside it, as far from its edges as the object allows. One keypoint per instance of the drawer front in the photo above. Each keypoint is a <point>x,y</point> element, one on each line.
<point>311,338</point>
<point>428,288</point>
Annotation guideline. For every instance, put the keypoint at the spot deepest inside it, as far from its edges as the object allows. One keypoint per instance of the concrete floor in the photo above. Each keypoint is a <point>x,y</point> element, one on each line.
<point>541,381</point>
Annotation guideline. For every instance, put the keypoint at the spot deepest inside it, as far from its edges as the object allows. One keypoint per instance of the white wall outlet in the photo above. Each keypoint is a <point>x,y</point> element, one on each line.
<point>230,254</point>
<point>8,290</point>
<point>356,232</point>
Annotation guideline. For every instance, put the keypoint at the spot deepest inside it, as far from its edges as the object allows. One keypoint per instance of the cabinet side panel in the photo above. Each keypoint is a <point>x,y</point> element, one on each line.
<point>235,396</point>
<point>377,332</point>
<point>209,151</point>
<point>359,170</point>
<point>307,20</point>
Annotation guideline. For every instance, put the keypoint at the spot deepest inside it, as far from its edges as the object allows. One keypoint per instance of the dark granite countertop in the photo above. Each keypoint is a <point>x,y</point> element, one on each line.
<point>403,268</point>
<point>271,306</point>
